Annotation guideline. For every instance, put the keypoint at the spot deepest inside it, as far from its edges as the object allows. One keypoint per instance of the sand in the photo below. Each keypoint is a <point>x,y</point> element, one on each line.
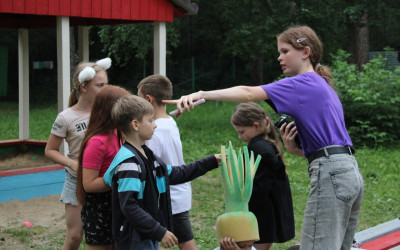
<point>47,212</point>
<point>13,161</point>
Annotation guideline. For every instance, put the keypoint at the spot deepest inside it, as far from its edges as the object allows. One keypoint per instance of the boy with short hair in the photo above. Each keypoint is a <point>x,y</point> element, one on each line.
<point>166,143</point>
<point>141,206</point>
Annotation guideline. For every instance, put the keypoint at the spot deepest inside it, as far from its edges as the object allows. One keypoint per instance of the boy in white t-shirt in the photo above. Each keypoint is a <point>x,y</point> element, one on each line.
<point>166,143</point>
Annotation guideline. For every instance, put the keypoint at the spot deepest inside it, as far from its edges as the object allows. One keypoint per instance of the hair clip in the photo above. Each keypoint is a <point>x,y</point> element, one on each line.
<point>266,118</point>
<point>301,39</point>
<point>104,63</point>
<point>88,73</point>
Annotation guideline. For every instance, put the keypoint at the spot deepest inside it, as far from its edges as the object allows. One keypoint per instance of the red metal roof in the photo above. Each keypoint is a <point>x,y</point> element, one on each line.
<point>42,13</point>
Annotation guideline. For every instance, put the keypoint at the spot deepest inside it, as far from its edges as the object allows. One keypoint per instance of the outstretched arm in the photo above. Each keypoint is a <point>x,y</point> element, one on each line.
<point>190,171</point>
<point>234,94</point>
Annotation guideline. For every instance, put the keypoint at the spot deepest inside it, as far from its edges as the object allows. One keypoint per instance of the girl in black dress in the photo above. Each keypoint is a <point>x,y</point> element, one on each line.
<point>271,199</point>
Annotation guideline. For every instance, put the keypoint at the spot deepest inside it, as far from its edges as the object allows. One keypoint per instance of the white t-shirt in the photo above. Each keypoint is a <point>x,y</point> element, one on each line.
<point>166,144</point>
<point>71,126</point>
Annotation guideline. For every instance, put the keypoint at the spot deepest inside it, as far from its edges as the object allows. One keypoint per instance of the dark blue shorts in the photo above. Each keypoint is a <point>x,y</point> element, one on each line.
<point>182,227</point>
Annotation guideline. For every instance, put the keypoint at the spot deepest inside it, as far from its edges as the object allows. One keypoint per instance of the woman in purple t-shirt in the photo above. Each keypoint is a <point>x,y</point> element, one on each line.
<point>337,187</point>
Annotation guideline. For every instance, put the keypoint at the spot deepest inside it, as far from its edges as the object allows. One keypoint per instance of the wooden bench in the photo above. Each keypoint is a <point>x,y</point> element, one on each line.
<point>381,237</point>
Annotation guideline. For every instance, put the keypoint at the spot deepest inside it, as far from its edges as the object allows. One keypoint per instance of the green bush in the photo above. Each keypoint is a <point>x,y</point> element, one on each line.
<point>370,98</point>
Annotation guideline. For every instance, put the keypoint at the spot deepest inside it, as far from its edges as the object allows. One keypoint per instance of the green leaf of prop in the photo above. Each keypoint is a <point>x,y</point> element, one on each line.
<point>237,176</point>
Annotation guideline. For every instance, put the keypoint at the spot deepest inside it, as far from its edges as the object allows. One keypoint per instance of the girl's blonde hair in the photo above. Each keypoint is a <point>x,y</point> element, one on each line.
<point>246,114</point>
<point>302,36</point>
<point>76,90</point>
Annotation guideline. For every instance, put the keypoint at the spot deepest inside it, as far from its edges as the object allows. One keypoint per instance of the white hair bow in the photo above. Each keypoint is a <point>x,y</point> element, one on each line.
<point>88,73</point>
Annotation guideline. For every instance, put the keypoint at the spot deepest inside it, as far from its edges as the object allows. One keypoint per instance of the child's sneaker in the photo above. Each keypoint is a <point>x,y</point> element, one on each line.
<point>356,244</point>
<point>295,247</point>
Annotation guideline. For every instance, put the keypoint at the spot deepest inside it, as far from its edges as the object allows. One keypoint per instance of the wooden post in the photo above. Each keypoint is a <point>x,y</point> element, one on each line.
<point>23,83</point>
<point>160,45</point>
<point>63,67</point>
<point>83,43</point>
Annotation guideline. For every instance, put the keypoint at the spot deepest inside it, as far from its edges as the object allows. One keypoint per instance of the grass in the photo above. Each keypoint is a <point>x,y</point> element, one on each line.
<point>40,120</point>
<point>24,235</point>
<point>203,131</point>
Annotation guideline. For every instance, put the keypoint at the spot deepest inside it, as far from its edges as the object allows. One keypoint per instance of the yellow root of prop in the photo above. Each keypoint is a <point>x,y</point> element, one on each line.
<point>240,225</point>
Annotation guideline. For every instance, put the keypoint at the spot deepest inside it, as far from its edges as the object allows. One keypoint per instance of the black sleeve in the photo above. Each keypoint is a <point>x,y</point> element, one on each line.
<point>266,172</point>
<point>137,216</point>
<point>272,105</point>
<point>188,172</point>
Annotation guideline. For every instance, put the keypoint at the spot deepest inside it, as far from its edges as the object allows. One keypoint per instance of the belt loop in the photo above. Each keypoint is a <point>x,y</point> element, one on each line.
<point>326,152</point>
<point>349,148</point>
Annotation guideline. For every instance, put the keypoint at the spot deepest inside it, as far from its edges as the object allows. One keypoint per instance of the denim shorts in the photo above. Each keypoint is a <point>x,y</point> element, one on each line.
<point>334,202</point>
<point>68,194</point>
<point>148,245</point>
<point>182,227</point>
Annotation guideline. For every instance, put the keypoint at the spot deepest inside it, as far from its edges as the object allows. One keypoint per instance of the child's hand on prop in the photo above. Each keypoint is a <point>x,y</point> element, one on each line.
<point>238,171</point>
<point>169,240</point>
<point>218,157</point>
<point>228,243</point>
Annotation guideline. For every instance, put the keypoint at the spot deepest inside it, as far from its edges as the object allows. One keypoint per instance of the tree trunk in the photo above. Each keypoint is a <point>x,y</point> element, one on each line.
<point>358,41</point>
<point>257,65</point>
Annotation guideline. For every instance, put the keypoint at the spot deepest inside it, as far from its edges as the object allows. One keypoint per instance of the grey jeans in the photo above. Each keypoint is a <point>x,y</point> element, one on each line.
<point>333,205</point>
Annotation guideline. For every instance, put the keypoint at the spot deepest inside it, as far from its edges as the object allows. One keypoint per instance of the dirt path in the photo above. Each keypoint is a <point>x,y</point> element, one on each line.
<point>47,212</point>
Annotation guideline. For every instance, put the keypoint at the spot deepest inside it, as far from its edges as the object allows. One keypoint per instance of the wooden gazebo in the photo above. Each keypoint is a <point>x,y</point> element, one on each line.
<point>27,14</point>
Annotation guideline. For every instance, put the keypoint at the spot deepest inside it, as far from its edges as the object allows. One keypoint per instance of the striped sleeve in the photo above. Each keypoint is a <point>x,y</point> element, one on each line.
<point>128,178</point>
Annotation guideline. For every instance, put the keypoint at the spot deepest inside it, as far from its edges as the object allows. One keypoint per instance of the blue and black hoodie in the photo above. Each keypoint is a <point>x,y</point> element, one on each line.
<point>141,205</point>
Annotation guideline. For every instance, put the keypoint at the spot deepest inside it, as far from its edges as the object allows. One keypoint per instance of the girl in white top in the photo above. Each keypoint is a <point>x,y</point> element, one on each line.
<point>70,125</point>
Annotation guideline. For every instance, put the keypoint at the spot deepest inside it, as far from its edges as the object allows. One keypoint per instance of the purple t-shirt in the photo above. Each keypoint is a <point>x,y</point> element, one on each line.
<point>315,107</point>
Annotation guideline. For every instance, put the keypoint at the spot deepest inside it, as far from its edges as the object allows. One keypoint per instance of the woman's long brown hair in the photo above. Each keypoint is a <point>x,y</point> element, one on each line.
<point>100,123</point>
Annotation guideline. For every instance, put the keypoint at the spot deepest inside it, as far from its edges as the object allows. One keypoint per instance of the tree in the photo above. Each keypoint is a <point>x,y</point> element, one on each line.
<point>251,34</point>
<point>127,41</point>
<point>243,32</point>
<point>356,15</point>
<point>241,29</point>
<point>382,27</point>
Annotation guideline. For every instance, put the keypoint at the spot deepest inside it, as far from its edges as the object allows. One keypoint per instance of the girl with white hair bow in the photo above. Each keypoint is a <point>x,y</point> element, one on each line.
<point>70,125</point>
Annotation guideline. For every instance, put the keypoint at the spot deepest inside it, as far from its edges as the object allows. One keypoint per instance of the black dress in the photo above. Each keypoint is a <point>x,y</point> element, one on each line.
<point>271,199</point>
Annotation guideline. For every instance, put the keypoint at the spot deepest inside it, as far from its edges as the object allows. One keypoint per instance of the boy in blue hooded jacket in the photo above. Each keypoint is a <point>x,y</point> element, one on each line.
<point>141,206</point>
